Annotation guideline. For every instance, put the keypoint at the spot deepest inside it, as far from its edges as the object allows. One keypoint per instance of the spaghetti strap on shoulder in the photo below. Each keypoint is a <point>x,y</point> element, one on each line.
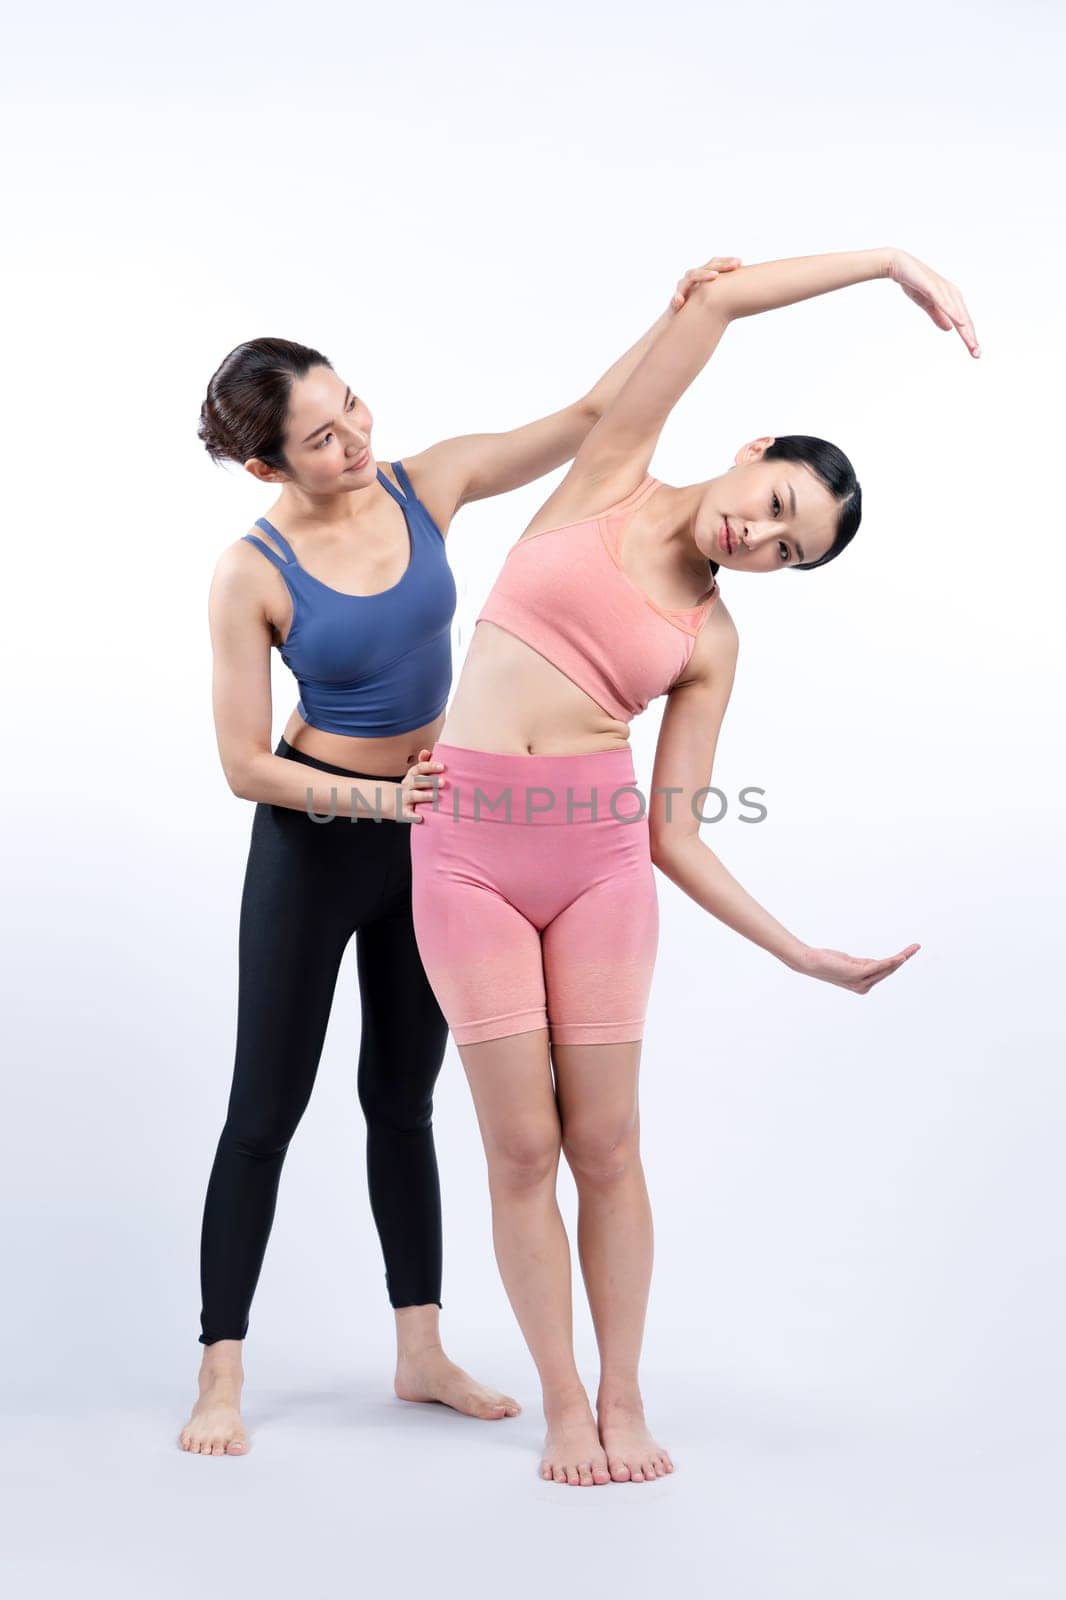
<point>403,479</point>
<point>703,609</point>
<point>387,483</point>
<point>633,499</point>
<point>278,538</point>
<point>612,522</point>
<point>411,502</point>
<point>270,553</point>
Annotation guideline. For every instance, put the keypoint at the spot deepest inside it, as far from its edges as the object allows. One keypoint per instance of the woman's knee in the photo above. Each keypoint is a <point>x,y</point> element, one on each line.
<point>601,1151</point>
<point>525,1159</point>
<point>404,1109</point>
<point>262,1131</point>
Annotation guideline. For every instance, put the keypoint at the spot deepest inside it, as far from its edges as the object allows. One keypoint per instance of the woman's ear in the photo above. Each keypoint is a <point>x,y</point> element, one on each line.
<point>753,449</point>
<point>264,473</point>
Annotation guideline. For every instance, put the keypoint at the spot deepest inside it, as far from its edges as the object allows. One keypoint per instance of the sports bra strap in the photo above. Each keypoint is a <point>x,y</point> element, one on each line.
<point>271,555</point>
<point>286,547</point>
<point>390,486</point>
<point>405,482</point>
<point>633,499</point>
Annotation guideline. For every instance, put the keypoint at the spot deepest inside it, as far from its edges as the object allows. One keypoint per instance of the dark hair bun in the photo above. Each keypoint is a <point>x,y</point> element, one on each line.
<point>247,402</point>
<point>210,434</point>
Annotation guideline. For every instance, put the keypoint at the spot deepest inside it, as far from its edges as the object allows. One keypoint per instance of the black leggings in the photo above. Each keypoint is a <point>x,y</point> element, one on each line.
<point>308,887</point>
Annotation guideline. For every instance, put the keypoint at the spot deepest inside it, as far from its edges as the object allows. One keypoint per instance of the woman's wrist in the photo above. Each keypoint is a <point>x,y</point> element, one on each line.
<point>797,956</point>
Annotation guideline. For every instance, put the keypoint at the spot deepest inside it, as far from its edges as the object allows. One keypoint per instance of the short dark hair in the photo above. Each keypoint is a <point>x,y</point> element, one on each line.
<point>247,401</point>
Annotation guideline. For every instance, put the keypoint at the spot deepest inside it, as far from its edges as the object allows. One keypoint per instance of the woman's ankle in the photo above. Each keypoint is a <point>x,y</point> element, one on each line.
<point>620,1392</point>
<point>223,1361</point>
<point>569,1394</point>
<point>417,1331</point>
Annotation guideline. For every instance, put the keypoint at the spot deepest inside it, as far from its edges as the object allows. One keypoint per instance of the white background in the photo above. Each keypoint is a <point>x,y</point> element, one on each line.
<point>855,1338</point>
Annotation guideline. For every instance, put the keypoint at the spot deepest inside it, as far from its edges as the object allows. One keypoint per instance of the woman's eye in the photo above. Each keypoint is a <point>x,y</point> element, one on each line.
<point>326,437</point>
<point>778,504</point>
<point>783,549</point>
<point>351,404</point>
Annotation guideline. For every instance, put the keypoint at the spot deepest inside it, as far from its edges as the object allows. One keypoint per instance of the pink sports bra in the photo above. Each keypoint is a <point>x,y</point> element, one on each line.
<point>563,592</point>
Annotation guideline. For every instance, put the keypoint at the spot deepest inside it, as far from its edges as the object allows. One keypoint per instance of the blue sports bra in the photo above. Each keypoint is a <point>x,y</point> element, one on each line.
<point>375,664</point>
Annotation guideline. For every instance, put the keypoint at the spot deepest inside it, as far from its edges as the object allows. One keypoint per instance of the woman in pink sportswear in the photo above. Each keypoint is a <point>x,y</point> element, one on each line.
<point>534,898</point>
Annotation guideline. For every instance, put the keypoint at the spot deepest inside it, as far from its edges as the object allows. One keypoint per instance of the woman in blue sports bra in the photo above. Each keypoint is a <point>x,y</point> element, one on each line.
<point>348,578</point>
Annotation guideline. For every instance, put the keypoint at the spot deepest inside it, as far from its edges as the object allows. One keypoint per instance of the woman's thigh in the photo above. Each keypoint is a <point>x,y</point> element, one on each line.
<point>514,1097</point>
<point>403,1034</point>
<point>599,952</point>
<point>597,1096</point>
<point>294,926</point>
<point>481,953</point>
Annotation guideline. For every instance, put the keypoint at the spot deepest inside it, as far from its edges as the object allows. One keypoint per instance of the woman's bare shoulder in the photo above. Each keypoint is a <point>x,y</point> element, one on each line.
<point>717,645</point>
<point>244,577</point>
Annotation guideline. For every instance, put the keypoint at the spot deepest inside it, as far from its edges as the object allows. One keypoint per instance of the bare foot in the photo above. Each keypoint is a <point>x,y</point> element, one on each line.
<point>572,1450</point>
<point>632,1454</point>
<point>428,1375</point>
<point>215,1427</point>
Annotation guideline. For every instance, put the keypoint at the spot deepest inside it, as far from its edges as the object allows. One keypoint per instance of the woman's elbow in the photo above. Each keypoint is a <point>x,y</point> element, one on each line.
<point>240,774</point>
<point>671,848</point>
<point>661,848</point>
<point>237,778</point>
<point>590,408</point>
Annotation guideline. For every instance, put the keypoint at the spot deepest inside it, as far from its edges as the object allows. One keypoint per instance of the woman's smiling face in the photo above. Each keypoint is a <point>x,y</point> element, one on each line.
<point>327,437</point>
<point>764,516</point>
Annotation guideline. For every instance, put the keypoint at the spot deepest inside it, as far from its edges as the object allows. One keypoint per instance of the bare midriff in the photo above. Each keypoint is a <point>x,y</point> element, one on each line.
<point>508,699</point>
<point>511,700</point>
<point>387,757</point>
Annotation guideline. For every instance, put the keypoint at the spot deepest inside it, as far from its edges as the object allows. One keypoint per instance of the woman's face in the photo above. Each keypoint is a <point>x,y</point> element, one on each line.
<point>763,516</point>
<point>327,437</point>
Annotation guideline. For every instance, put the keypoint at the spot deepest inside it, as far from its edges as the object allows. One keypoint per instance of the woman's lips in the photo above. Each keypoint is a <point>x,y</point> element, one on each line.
<point>363,459</point>
<point>725,539</point>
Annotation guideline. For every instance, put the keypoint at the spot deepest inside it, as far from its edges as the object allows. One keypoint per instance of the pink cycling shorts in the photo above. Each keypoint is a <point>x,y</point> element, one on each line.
<point>534,896</point>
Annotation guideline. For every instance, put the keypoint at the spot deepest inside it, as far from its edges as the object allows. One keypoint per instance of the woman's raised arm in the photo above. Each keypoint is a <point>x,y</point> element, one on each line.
<point>474,466</point>
<point>767,285</point>
<point>615,455</point>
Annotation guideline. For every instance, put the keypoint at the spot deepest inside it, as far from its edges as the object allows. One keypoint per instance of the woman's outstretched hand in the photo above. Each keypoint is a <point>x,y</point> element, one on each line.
<point>419,783</point>
<point>704,274</point>
<point>937,297</point>
<point>852,972</point>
